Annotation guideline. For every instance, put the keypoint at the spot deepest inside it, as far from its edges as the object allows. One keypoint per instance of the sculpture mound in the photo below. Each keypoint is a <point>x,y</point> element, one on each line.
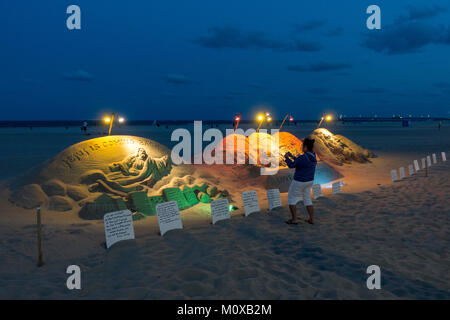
<point>338,149</point>
<point>114,165</point>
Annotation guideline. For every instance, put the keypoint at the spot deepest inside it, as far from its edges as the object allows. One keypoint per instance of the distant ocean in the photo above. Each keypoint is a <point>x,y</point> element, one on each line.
<point>79,123</point>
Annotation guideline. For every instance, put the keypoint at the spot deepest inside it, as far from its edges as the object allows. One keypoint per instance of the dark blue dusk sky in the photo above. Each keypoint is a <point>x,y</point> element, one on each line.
<point>207,59</point>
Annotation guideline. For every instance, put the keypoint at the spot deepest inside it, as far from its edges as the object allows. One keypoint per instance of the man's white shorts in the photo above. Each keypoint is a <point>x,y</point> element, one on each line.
<point>300,191</point>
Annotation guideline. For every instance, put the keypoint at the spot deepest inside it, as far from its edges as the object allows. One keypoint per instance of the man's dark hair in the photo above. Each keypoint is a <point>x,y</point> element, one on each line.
<point>309,143</point>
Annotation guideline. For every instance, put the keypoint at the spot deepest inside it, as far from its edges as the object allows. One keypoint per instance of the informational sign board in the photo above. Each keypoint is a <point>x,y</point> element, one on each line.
<point>410,169</point>
<point>416,165</point>
<point>220,210</point>
<point>424,163</point>
<point>336,187</point>
<point>402,173</point>
<point>168,216</point>
<point>118,226</point>
<point>317,191</point>
<point>251,203</point>
<point>394,175</point>
<point>428,161</point>
<point>444,157</point>
<point>434,158</point>
<point>274,199</point>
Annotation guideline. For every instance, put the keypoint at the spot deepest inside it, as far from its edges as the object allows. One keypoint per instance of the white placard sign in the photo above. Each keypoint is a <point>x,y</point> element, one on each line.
<point>250,200</point>
<point>416,165</point>
<point>168,216</point>
<point>118,226</point>
<point>402,173</point>
<point>434,158</point>
<point>423,163</point>
<point>410,169</point>
<point>220,210</point>
<point>394,175</point>
<point>274,199</point>
<point>317,191</point>
<point>336,187</point>
<point>429,161</point>
<point>444,157</point>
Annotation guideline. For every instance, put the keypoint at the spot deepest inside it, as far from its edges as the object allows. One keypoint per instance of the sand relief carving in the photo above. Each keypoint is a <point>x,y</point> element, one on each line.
<point>129,174</point>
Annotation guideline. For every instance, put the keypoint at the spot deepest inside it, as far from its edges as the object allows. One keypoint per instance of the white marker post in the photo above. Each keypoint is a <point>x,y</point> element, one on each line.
<point>118,227</point>
<point>434,158</point>
<point>416,165</point>
<point>168,216</point>
<point>444,157</point>
<point>428,161</point>
<point>274,198</point>
<point>424,163</point>
<point>39,237</point>
<point>336,187</point>
<point>394,175</point>
<point>220,210</point>
<point>402,173</point>
<point>317,190</point>
<point>251,203</point>
<point>410,169</point>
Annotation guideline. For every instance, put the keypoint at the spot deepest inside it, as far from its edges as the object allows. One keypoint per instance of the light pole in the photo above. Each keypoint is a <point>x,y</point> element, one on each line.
<point>110,121</point>
<point>237,118</point>
<point>326,118</point>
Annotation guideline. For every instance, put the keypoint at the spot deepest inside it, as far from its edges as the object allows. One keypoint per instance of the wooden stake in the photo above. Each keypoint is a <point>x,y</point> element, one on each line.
<point>39,237</point>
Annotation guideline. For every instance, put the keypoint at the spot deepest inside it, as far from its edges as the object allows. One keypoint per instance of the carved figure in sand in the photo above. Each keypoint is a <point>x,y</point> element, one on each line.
<point>129,174</point>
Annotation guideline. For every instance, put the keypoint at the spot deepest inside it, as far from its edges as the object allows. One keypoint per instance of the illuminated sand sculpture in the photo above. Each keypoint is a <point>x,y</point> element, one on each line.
<point>337,149</point>
<point>108,174</point>
<point>114,173</point>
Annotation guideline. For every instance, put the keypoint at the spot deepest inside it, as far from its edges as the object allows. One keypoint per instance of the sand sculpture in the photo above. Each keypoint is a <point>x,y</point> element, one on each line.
<point>107,174</point>
<point>337,149</point>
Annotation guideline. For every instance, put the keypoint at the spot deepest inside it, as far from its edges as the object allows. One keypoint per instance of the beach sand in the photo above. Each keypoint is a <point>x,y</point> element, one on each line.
<point>403,227</point>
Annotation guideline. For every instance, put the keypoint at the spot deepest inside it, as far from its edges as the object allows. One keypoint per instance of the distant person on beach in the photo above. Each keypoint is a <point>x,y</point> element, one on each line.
<point>439,125</point>
<point>85,125</point>
<point>305,167</point>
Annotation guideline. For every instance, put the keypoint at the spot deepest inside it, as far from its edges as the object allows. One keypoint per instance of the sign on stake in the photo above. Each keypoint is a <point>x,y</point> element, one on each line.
<point>416,165</point>
<point>336,187</point>
<point>220,210</point>
<point>317,190</point>
<point>394,175</point>
<point>274,199</point>
<point>118,227</point>
<point>251,203</point>
<point>410,169</point>
<point>168,216</point>
<point>402,173</point>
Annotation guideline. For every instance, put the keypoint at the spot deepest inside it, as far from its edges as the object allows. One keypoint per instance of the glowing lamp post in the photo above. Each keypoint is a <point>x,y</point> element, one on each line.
<point>326,118</point>
<point>237,118</point>
<point>110,120</point>
<point>260,120</point>
<point>290,120</point>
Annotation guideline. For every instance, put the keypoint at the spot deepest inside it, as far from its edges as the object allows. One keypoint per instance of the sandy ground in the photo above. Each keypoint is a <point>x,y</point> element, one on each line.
<point>403,227</point>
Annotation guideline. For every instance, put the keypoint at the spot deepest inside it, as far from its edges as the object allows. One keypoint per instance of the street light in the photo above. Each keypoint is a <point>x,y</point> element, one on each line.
<point>260,119</point>
<point>109,120</point>
<point>237,118</point>
<point>326,118</point>
<point>290,120</point>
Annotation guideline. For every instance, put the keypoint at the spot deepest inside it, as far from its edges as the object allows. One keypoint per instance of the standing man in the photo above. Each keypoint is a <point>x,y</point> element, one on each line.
<point>305,167</point>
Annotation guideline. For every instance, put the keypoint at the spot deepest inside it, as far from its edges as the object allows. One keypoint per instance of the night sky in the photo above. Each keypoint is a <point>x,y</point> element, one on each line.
<point>208,59</point>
